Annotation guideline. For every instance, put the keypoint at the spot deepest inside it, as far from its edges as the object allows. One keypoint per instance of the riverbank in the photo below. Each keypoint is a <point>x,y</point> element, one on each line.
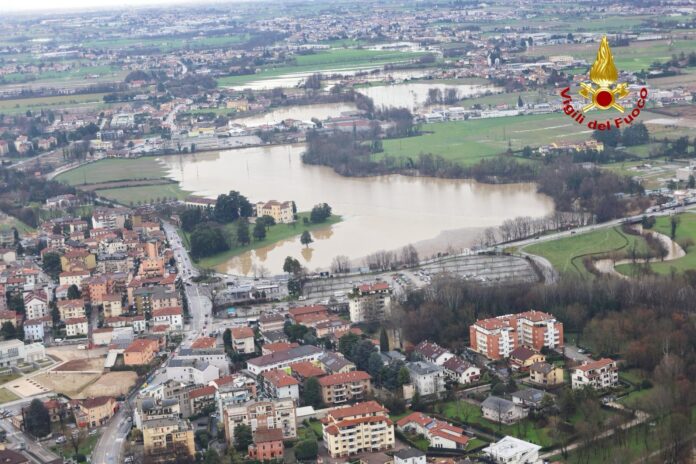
<point>274,235</point>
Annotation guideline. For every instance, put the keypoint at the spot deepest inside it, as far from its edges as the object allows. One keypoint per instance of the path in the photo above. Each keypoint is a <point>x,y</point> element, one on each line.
<point>674,251</point>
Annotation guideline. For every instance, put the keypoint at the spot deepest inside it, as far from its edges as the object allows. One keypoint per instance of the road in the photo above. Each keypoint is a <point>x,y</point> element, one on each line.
<point>110,445</point>
<point>33,449</point>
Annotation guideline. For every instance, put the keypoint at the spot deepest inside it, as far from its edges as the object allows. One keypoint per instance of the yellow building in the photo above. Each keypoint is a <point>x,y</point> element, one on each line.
<point>543,373</point>
<point>94,412</point>
<point>280,212</point>
<point>167,437</point>
<point>239,105</point>
<point>71,309</point>
<point>75,260</point>
<point>363,427</point>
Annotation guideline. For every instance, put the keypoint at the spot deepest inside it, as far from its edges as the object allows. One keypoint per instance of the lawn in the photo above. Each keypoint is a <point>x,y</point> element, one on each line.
<point>275,234</point>
<point>6,396</point>
<point>471,414</point>
<point>685,229</point>
<point>325,61</point>
<point>114,169</point>
<point>468,142</point>
<point>85,448</point>
<point>145,193</point>
<point>565,253</point>
<point>4,378</point>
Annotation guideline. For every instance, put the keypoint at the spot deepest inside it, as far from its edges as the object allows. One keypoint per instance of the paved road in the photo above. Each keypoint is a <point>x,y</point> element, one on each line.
<point>36,452</point>
<point>110,445</point>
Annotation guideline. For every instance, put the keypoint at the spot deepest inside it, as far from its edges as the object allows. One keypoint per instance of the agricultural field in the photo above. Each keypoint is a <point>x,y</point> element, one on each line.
<point>470,141</point>
<point>130,196</point>
<point>168,44</point>
<point>325,61</point>
<point>22,105</point>
<point>565,254</point>
<point>637,56</point>
<point>686,229</point>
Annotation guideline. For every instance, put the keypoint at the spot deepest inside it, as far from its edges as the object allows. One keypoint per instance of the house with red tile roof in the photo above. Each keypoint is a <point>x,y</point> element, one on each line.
<point>439,433</point>
<point>363,427</point>
<point>279,384</point>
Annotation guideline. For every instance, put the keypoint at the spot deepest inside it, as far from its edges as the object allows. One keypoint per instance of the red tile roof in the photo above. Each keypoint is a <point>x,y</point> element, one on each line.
<point>203,391</point>
<point>171,311</point>
<point>344,377</point>
<point>242,332</point>
<point>367,407</point>
<point>279,378</point>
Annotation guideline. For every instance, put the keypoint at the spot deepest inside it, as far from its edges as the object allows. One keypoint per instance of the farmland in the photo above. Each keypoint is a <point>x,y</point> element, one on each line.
<point>470,141</point>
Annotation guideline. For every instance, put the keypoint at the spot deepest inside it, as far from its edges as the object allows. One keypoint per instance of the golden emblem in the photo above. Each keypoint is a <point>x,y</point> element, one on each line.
<point>604,74</point>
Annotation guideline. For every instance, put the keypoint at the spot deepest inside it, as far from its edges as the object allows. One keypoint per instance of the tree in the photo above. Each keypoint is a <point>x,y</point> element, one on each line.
<point>208,239</point>
<point>37,419</point>
<point>8,330</point>
<point>306,450</point>
<point>320,213</point>
<point>520,102</point>
<point>375,365</point>
<point>347,342</point>
<point>242,437</point>
<point>190,218</point>
<point>383,340</point>
<point>306,238</point>
<point>311,395</point>
<point>243,233</point>
<point>51,264</point>
<point>340,264</point>
<point>227,339</point>
<point>259,231</point>
<point>416,403</point>
<point>360,354</point>
<point>692,182</point>
<point>674,223</point>
<point>292,266</point>
<point>74,292</point>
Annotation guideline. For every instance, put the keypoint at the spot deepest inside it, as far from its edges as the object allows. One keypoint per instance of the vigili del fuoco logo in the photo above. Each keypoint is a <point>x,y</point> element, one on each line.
<point>606,95</point>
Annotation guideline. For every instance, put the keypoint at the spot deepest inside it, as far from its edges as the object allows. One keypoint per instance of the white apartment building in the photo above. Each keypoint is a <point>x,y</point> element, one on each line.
<point>599,375</point>
<point>277,414</point>
<point>426,377</point>
<point>370,302</point>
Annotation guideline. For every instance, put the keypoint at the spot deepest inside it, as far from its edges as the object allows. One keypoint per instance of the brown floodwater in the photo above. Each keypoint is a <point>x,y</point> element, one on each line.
<point>379,213</point>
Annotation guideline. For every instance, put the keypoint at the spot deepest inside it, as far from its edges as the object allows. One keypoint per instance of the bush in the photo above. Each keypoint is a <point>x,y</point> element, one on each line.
<point>80,457</point>
<point>646,384</point>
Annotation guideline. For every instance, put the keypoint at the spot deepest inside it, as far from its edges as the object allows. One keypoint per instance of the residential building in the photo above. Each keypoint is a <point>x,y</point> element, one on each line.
<point>277,414</point>
<point>409,456</point>
<point>545,374</point>
<point>34,330</point>
<point>113,306</point>
<point>304,370</point>
<point>427,378</point>
<point>243,340</point>
<point>8,316</point>
<point>439,433</point>
<point>283,359</point>
<point>35,304</point>
<point>166,405</point>
<point>529,397</point>
<point>94,412</point>
<point>71,309</point>
<point>268,348</point>
<point>282,213</point>
<point>501,410</point>
<point>73,277</point>
<point>191,371</point>
<point>213,356</point>
<point>345,387</point>
<point>459,371</point>
<point>268,445</point>
<point>202,400</point>
<point>76,327</point>
<point>511,450</point>
<point>497,337</point>
<point>279,384</point>
<point>164,437</point>
<point>141,352</point>
<point>297,315</point>
<point>173,316</point>
<point>335,363</point>
<point>363,427</point>
<point>370,302</point>
<point>432,352</point>
<point>599,375</point>
<point>522,357</point>
<point>271,322</point>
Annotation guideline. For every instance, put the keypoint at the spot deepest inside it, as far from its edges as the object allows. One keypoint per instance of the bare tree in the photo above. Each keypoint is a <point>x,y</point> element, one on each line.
<point>340,264</point>
<point>409,256</point>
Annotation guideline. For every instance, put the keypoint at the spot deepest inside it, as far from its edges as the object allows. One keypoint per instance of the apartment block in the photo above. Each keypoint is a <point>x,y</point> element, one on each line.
<point>497,337</point>
<point>599,375</point>
<point>278,414</point>
<point>370,302</point>
<point>345,387</point>
<point>363,427</point>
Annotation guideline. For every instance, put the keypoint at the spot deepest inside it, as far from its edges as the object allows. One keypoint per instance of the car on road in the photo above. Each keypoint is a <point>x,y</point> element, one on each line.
<point>60,439</point>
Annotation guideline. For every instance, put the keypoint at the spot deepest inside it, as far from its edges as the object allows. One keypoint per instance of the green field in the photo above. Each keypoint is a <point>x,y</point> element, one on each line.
<point>21,105</point>
<point>471,414</point>
<point>470,141</point>
<point>6,396</point>
<point>168,43</point>
<point>325,61</point>
<point>565,254</point>
<point>114,169</point>
<point>274,234</point>
<point>685,229</point>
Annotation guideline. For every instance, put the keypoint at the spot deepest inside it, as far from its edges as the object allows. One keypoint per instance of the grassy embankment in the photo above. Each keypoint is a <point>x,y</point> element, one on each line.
<point>566,254</point>
<point>685,229</point>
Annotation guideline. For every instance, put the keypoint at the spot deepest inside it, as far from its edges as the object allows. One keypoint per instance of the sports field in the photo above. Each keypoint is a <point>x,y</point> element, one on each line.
<point>565,254</point>
<point>470,141</point>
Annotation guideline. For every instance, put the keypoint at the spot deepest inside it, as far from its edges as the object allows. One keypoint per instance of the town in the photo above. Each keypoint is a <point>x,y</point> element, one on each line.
<point>309,232</point>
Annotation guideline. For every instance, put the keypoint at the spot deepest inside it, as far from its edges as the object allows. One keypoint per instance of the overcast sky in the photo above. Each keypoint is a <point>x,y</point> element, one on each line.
<point>45,5</point>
